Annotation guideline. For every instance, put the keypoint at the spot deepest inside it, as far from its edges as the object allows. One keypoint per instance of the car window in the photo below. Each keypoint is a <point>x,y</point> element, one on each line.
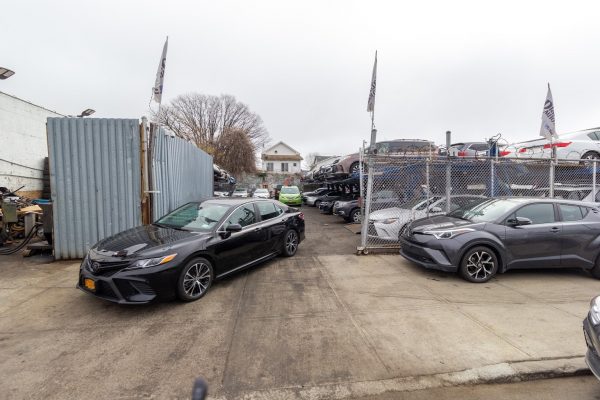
<point>268,210</point>
<point>570,212</point>
<point>594,135</point>
<point>195,216</point>
<point>538,213</point>
<point>244,216</point>
<point>479,147</point>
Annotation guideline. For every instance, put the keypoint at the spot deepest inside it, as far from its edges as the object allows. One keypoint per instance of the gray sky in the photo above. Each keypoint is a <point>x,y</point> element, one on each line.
<point>476,68</point>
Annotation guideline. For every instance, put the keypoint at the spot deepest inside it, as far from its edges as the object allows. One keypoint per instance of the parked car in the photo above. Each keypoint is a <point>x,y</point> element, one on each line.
<point>220,193</point>
<point>469,149</point>
<point>348,209</point>
<point>261,193</point>
<point>313,199</point>
<point>314,193</point>
<point>406,146</point>
<point>330,195</point>
<point>240,192</point>
<point>326,204</point>
<point>496,235</point>
<point>386,224</point>
<point>185,251</point>
<point>569,146</point>
<point>570,192</point>
<point>290,195</point>
<point>591,333</point>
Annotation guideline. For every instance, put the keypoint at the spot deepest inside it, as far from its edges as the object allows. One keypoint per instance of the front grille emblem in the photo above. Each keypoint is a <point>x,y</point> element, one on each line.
<point>95,267</point>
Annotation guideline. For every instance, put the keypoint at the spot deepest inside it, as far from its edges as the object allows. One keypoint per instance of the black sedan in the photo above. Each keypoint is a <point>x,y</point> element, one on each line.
<point>496,235</point>
<point>591,332</point>
<point>185,251</point>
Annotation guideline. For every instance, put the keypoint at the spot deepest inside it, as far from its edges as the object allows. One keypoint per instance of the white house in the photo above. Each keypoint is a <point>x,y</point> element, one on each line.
<point>281,158</point>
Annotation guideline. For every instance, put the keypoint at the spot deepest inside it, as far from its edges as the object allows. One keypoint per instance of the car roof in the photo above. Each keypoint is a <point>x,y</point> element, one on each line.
<point>234,201</point>
<point>533,200</point>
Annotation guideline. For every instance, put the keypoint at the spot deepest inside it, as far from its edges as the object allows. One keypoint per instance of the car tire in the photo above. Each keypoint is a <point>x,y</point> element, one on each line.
<point>479,264</point>
<point>195,279</point>
<point>590,155</point>
<point>354,167</point>
<point>317,203</point>
<point>290,243</point>
<point>595,271</point>
<point>355,216</point>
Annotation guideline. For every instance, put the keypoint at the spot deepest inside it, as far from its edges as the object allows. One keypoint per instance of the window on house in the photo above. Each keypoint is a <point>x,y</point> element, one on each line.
<point>294,164</point>
<point>284,167</point>
<point>270,166</point>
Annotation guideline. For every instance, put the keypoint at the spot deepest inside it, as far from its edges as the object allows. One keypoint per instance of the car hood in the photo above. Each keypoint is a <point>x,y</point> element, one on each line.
<point>392,212</point>
<point>145,240</point>
<point>441,223</point>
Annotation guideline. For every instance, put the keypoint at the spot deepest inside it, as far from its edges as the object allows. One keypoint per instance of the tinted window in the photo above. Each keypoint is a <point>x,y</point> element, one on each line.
<point>479,147</point>
<point>570,212</point>
<point>594,135</point>
<point>195,216</point>
<point>537,213</point>
<point>268,210</point>
<point>244,216</point>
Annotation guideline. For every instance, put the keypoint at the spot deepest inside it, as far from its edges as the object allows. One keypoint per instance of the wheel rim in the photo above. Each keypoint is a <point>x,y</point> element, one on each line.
<point>356,217</point>
<point>355,168</point>
<point>196,280</point>
<point>590,159</point>
<point>291,242</point>
<point>480,265</point>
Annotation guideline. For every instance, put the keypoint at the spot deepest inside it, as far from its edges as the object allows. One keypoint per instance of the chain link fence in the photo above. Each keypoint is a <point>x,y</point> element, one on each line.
<point>401,188</point>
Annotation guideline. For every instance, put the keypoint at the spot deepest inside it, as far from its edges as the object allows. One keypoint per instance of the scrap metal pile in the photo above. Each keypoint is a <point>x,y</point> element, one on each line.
<point>18,221</point>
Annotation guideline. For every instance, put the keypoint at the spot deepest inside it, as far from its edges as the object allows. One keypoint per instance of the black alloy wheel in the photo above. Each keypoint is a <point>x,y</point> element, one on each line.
<point>479,265</point>
<point>354,168</point>
<point>290,243</point>
<point>355,216</point>
<point>195,279</point>
<point>317,203</point>
<point>589,157</point>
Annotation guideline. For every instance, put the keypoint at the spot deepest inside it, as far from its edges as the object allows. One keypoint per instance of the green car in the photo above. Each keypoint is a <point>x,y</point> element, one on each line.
<point>290,195</point>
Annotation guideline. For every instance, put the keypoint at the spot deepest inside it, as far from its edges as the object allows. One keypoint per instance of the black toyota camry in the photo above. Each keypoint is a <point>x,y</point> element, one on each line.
<point>182,253</point>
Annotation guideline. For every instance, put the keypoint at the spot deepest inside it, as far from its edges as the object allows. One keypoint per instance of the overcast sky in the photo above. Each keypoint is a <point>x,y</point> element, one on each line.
<point>475,68</point>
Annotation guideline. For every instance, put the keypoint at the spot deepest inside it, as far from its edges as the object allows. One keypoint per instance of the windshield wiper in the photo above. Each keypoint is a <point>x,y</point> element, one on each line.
<point>169,226</point>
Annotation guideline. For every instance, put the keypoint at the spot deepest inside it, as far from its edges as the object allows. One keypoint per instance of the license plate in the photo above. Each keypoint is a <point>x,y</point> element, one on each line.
<point>89,284</point>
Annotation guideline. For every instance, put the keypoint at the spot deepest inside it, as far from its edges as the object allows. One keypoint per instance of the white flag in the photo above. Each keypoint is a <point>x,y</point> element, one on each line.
<point>157,90</point>
<point>371,103</point>
<point>548,129</point>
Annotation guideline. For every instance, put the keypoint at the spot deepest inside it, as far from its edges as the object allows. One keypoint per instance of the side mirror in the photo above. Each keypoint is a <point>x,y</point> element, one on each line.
<point>233,228</point>
<point>518,221</point>
<point>436,210</point>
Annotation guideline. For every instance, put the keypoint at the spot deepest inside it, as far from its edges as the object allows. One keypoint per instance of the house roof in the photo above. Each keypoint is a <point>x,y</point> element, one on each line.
<point>277,144</point>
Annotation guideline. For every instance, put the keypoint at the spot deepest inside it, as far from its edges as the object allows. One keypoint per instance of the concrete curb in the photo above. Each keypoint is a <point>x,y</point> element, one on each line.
<point>496,373</point>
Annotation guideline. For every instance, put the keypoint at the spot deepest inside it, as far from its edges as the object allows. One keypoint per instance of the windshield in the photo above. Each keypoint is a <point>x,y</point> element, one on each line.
<point>240,190</point>
<point>419,204</point>
<point>261,191</point>
<point>566,194</point>
<point>290,190</point>
<point>486,210</point>
<point>194,216</point>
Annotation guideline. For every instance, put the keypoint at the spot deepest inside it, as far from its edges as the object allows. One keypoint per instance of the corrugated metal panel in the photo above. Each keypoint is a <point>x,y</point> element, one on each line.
<point>95,178</point>
<point>181,173</point>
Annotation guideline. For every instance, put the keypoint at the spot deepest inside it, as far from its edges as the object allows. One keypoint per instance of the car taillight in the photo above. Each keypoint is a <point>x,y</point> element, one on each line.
<point>504,153</point>
<point>462,153</point>
<point>301,216</point>
<point>522,149</point>
<point>557,144</point>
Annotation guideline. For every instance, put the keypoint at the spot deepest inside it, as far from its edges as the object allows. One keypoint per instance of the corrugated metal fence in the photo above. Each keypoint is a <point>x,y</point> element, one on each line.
<point>96,178</point>
<point>180,173</point>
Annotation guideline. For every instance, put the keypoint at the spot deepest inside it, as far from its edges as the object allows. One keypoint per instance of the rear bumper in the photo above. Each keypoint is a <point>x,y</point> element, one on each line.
<point>425,256</point>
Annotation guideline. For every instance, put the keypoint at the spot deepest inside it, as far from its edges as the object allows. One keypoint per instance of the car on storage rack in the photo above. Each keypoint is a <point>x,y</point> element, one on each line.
<point>388,224</point>
<point>184,252</point>
<point>348,209</point>
<point>326,205</point>
<point>314,199</point>
<point>469,149</point>
<point>314,193</point>
<point>570,192</point>
<point>584,145</point>
<point>496,235</point>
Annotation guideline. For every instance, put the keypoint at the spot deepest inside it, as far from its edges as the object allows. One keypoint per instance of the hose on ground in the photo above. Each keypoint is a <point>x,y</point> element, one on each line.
<point>12,250</point>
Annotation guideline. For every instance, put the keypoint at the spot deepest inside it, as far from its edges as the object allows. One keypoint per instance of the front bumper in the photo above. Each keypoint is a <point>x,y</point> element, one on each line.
<point>326,208</point>
<point>592,341</point>
<point>291,202</point>
<point>139,286</point>
<point>425,256</point>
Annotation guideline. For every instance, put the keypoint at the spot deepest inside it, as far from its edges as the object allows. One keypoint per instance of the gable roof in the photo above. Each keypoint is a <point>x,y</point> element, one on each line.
<point>277,144</point>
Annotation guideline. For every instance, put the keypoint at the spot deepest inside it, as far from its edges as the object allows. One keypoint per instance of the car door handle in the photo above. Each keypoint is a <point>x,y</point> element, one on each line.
<point>554,229</point>
<point>257,229</point>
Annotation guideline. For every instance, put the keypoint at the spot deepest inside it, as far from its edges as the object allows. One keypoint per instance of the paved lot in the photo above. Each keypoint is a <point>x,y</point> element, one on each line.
<point>326,323</point>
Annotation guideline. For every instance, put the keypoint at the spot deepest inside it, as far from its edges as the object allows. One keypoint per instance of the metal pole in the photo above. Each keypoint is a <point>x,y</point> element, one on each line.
<point>552,163</point>
<point>594,182</point>
<point>367,200</point>
<point>427,191</point>
<point>492,183</point>
<point>448,171</point>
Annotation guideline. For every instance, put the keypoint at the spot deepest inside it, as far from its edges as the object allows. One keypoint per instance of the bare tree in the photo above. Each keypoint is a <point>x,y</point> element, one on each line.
<point>210,121</point>
<point>310,160</point>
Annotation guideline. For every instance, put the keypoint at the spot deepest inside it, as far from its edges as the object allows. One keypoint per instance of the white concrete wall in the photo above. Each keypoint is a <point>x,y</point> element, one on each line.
<point>277,166</point>
<point>23,143</point>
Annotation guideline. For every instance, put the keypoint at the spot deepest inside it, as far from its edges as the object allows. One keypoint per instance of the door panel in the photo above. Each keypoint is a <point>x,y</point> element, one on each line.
<point>273,227</point>
<point>580,229</point>
<point>537,245</point>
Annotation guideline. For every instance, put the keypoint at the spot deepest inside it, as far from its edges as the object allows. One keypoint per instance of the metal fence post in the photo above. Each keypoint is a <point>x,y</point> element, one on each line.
<point>551,178</point>
<point>448,171</point>
<point>594,182</point>
<point>427,190</point>
<point>367,204</point>
<point>492,183</point>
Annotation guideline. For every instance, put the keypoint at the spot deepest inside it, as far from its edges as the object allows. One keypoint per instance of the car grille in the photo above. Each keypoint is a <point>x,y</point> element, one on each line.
<point>371,230</point>
<point>105,268</point>
<point>143,288</point>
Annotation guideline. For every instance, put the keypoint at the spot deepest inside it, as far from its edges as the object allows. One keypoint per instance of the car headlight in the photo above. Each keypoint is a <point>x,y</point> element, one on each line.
<point>449,234</point>
<point>152,262</point>
<point>595,310</point>
<point>389,220</point>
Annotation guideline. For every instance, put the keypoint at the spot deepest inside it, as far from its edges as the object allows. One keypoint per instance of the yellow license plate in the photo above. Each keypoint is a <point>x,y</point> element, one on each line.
<point>89,284</point>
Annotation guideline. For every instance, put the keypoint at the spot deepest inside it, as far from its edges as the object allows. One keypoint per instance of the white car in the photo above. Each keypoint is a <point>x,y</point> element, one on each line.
<point>569,146</point>
<point>240,192</point>
<point>386,224</point>
<point>571,192</point>
<point>261,193</point>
